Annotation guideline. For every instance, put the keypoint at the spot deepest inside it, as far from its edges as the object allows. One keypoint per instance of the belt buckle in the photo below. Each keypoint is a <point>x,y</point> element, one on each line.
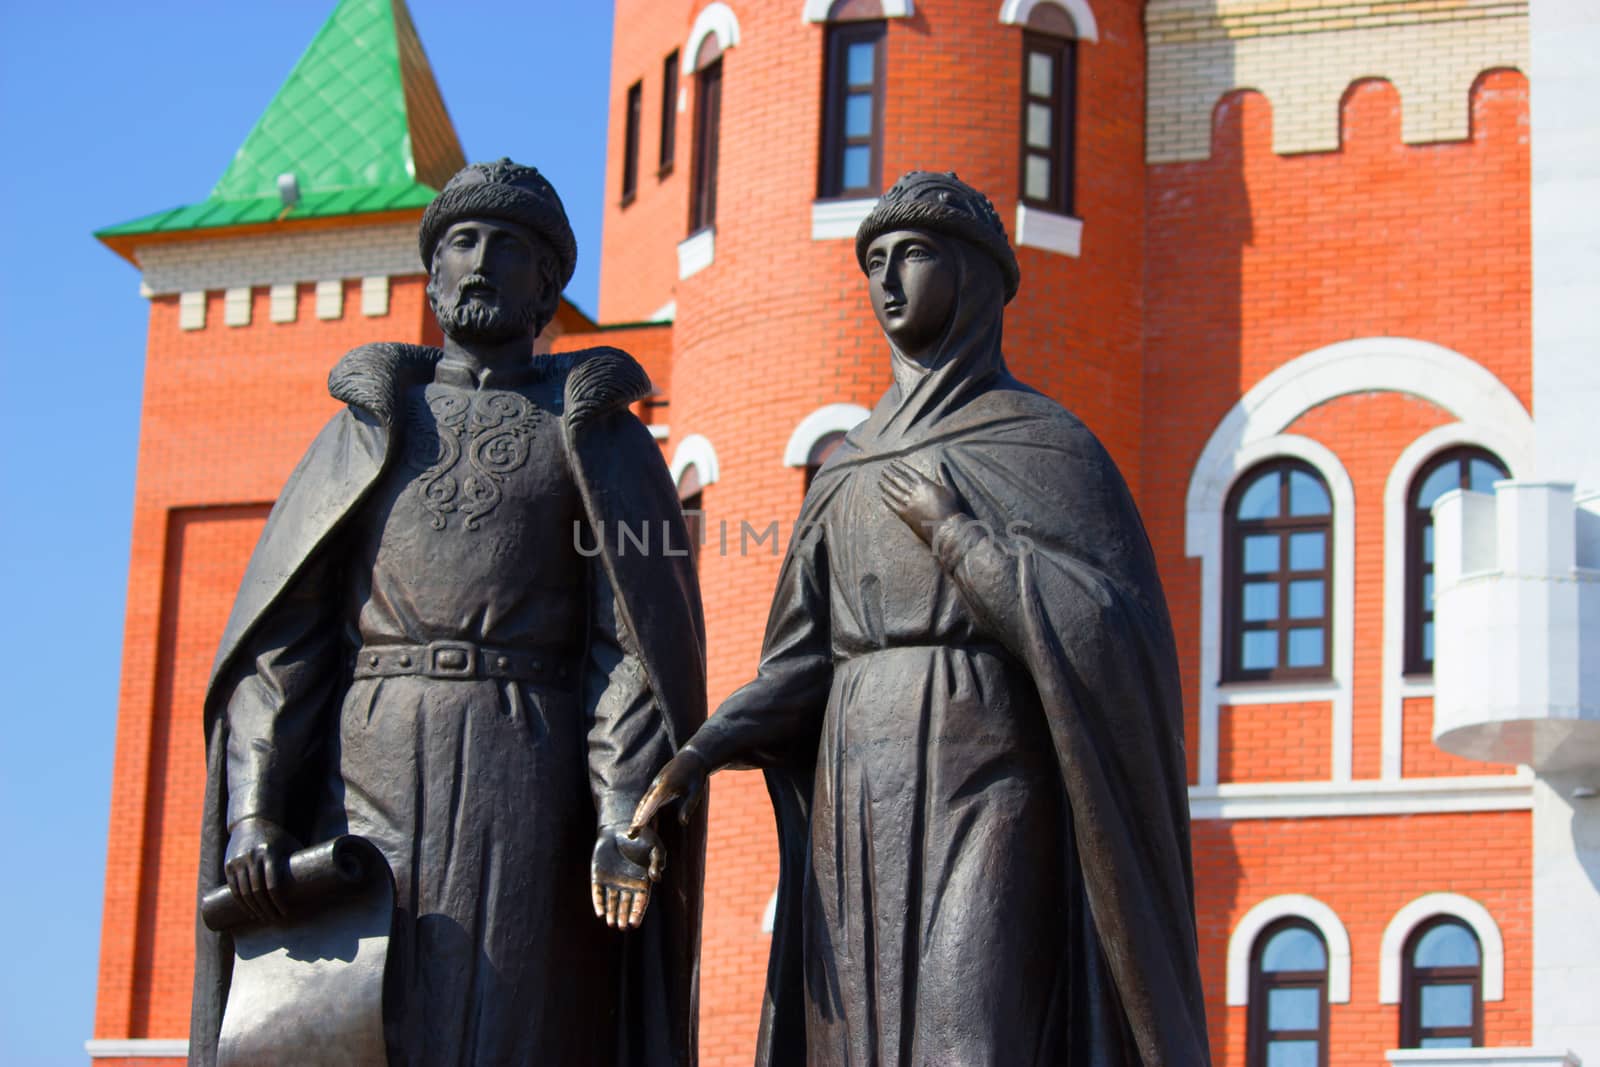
<point>452,659</point>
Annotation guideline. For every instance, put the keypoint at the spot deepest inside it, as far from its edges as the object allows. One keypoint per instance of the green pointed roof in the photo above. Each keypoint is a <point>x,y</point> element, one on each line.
<point>359,123</point>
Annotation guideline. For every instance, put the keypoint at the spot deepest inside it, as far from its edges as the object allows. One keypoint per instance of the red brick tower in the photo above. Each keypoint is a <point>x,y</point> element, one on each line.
<point>774,345</point>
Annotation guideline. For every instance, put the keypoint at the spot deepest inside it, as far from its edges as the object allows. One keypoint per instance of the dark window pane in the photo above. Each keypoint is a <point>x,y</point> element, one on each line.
<point>1427,542</point>
<point>1450,944</point>
<point>1306,495</point>
<point>1038,126</point>
<point>1260,601</point>
<point>1292,1054</point>
<point>1294,948</point>
<point>1305,647</point>
<point>1041,74</point>
<point>1306,599</point>
<point>1483,476</point>
<point>1293,1009</point>
<point>1445,477</point>
<point>1446,1005</point>
<point>1427,591</point>
<point>858,115</point>
<point>1260,500</point>
<point>858,63</point>
<point>857,158</point>
<point>1445,1042</point>
<point>1260,553</point>
<point>1306,551</point>
<point>1037,178</point>
<point>1427,640</point>
<point>1260,651</point>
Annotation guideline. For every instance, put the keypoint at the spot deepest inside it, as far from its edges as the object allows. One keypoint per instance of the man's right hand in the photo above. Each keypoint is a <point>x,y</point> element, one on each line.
<point>257,866</point>
<point>684,776</point>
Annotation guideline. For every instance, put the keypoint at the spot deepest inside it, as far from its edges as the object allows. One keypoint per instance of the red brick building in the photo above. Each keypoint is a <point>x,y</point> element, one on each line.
<point>1276,253</point>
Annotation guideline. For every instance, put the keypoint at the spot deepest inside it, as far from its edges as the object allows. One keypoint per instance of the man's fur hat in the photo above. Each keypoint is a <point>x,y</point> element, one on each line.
<point>501,190</point>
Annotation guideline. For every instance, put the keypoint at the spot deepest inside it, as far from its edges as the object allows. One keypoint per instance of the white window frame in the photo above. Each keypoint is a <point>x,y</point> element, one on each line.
<point>1515,450</point>
<point>830,418</point>
<point>1431,372</point>
<point>1491,945</point>
<point>1241,943</point>
<point>697,452</point>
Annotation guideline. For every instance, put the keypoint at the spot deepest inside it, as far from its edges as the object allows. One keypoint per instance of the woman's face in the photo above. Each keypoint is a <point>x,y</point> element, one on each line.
<point>912,277</point>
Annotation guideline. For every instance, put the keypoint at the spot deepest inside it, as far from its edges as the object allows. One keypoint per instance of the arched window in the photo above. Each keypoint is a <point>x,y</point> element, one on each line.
<point>1049,110</point>
<point>1465,467</point>
<point>1277,618</point>
<point>1289,997</point>
<point>1441,997</point>
<point>824,447</point>
<point>694,517</point>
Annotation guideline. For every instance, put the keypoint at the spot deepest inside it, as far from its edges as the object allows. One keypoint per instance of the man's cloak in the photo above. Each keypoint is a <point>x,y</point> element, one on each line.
<point>621,479</point>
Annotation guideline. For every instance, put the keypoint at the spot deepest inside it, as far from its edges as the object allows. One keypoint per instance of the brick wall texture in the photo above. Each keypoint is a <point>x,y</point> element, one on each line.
<point>1256,181</point>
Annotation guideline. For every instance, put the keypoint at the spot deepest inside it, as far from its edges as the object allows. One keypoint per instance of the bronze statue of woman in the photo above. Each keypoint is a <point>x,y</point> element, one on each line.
<point>968,711</point>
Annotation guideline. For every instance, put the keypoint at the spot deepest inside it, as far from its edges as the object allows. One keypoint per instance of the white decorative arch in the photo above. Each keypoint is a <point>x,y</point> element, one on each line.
<point>830,418</point>
<point>1016,12</point>
<point>1339,692</point>
<point>1431,372</point>
<point>817,10</point>
<point>694,451</point>
<point>715,18</point>
<point>1269,911</point>
<point>1427,907</point>
<point>1517,452</point>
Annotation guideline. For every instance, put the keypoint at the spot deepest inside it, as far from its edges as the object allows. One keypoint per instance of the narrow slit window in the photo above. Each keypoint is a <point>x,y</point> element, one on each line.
<point>669,114</point>
<point>707,130</point>
<point>852,128</point>
<point>630,143</point>
<point>1049,101</point>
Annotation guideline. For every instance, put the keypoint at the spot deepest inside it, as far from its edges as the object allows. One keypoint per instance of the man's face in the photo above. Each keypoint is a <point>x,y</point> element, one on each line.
<point>491,281</point>
<point>912,278</point>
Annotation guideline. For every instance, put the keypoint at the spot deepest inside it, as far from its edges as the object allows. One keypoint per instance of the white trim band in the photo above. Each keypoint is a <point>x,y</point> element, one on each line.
<point>1046,230</point>
<point>697,252</point>
<point>1491,946</point>
<point>1414,796</point>
<point>128,1048</point>
<point>1472,1057</point>
<point>1241,943</point>
<point>833,220</point>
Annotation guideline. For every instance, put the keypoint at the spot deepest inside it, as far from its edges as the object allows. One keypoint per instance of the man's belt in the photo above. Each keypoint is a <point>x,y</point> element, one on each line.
<point>461,659</point>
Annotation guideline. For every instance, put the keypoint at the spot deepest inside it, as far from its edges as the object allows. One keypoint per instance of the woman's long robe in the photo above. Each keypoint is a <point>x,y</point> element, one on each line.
<point>974,748</point>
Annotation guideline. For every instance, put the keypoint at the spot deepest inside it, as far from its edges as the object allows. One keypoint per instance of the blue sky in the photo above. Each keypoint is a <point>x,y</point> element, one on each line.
<point>109,111</point>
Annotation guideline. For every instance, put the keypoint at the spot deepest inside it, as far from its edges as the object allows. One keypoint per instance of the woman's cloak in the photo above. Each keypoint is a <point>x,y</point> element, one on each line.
<point>1053,560</point>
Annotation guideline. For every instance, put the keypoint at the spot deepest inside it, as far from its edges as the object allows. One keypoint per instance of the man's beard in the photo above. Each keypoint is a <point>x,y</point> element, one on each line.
<point>474,322</point>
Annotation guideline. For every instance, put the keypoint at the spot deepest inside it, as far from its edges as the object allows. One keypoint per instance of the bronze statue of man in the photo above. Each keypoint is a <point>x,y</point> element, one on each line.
<point>967,709</point>
<point>426,653</point>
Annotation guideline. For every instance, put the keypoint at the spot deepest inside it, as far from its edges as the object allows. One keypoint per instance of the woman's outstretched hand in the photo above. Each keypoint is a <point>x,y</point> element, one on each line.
<point>922,503</point>
<point>684,777</point>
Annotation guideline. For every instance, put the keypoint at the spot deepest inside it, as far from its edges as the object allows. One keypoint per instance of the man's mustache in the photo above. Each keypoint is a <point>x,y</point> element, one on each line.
<point>473,281</point>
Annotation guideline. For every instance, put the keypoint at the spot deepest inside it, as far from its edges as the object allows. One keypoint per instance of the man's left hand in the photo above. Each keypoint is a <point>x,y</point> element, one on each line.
<point>922,503</point>
<point>622,872</point>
